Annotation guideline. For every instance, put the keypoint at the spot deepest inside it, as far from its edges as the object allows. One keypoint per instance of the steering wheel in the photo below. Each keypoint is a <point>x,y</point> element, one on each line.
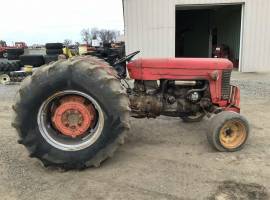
<point>126,58</point>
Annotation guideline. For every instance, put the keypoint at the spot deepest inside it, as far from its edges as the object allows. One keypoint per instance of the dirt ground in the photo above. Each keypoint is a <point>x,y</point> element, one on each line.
<point>162,159</point>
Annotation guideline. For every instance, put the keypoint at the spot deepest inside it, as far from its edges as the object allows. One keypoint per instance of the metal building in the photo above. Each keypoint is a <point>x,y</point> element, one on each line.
<point>190,28</point>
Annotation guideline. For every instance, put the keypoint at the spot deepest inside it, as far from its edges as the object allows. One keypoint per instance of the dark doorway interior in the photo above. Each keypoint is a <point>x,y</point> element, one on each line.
<point>192,36</point>
<point>201,29</point>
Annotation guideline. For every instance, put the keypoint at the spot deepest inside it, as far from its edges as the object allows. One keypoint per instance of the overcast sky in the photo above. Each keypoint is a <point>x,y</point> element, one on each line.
<point>41,21</point>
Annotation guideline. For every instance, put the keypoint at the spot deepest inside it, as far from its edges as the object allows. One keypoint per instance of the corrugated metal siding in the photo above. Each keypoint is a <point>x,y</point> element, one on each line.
<point>256,36</point>
<point>150,27</point>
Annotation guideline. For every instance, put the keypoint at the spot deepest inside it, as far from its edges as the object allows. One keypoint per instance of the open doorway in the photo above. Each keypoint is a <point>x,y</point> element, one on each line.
<point>209,31</point>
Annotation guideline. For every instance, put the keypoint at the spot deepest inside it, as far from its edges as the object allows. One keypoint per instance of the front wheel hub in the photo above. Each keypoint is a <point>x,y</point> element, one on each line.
<point>233,134</point>
<point>73,117</point>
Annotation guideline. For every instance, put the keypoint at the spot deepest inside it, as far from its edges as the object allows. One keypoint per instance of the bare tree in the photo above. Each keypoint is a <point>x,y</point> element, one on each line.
<point>86,36</point>
<point>105,35</point>
<point>67,42</point>
<point>108,35</point>
<point>94,33</point>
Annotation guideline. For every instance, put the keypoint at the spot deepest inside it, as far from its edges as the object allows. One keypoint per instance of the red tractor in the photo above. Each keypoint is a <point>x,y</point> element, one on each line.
<point>74,113</point>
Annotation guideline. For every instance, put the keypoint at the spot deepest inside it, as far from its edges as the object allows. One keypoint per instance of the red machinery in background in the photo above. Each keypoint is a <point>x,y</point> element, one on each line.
<point>224,51</point>
<point>15,50</point>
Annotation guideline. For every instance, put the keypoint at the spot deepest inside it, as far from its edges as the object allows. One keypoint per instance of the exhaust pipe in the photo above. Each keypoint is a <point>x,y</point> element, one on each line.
<point>187,83</point>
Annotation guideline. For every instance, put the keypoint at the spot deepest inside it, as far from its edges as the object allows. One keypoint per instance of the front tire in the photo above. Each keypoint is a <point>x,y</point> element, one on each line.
<point>228,132</point>
<point>85,81</point>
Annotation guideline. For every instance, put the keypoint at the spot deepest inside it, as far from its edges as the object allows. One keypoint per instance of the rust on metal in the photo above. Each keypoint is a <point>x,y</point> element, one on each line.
<point>233,134</point>
<point>73,117</point>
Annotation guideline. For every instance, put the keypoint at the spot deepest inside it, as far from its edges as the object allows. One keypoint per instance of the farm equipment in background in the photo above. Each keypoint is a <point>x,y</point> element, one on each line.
<point>13,77</point>
<point>3,47</point>
<point>13,52</point>
<point>85,49</point>
<point>71,50</point>
<point>74,113</point>
<point>3,53</point>
<point>13,71</point>
<point>224,51</point>
<point>111,52</point>
<point>21,45</point>
<point>55,51</point>
<point>17,68</point>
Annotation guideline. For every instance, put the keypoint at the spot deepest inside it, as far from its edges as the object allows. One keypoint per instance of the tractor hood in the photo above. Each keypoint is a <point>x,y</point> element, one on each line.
<point>173,68</point>
<point>183,63</point>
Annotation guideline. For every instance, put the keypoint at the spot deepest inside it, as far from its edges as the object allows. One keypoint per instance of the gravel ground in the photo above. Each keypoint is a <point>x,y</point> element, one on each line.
<point>162,159</point>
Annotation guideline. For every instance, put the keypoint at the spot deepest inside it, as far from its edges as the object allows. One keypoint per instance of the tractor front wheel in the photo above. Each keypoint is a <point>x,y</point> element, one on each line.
<point>72,113</point>
<point>228,132</point>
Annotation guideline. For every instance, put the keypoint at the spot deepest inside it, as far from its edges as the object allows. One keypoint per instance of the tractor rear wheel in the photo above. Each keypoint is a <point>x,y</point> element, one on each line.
<point>72,113</point>
<point>228,132</point>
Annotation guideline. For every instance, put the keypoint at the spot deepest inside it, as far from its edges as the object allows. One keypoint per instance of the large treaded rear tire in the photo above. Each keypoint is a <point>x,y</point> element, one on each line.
<point>84,74</point>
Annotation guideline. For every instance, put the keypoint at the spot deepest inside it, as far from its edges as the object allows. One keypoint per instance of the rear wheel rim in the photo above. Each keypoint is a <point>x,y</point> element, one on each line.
<point>62,140</point>
<point>233,134</point>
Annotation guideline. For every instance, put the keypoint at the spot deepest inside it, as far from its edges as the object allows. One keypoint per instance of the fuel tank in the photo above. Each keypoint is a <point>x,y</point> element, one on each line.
<point>177,68</point>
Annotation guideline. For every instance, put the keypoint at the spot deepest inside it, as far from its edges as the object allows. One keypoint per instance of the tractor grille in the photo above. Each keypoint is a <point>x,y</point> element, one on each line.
<point>226,86</point>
